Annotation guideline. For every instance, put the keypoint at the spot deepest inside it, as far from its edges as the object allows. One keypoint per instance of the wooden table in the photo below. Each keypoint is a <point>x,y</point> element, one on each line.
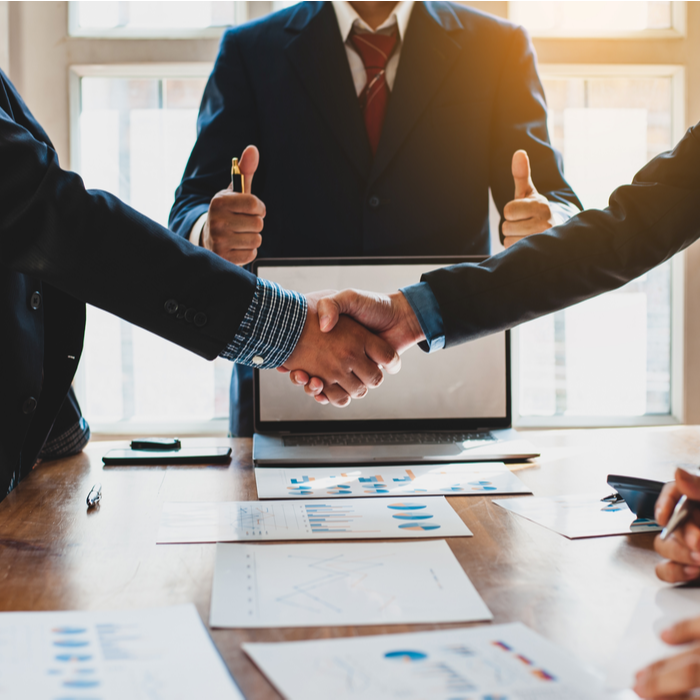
<point>55,555</point>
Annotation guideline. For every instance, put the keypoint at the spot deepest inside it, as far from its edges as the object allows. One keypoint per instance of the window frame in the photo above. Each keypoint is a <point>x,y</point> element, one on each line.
<point>677,74</point>
<point>677,30</point>
<point>116,33</point>
<point>213,426</point>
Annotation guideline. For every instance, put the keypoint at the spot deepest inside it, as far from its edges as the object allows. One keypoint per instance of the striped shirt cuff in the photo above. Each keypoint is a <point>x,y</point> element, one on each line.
<point>69,443</point>
<point>270,329</point>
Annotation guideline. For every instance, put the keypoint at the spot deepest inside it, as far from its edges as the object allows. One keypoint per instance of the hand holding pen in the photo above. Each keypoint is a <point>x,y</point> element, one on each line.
<point>678,510</point>
<point>234,222</point>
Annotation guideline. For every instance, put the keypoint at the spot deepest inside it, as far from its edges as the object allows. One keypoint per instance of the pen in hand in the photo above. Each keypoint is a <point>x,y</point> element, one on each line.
<point>680,513</point>
<point>237,177</point>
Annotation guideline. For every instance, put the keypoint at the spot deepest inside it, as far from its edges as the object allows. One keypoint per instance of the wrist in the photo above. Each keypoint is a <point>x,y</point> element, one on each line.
<point>407,317</point>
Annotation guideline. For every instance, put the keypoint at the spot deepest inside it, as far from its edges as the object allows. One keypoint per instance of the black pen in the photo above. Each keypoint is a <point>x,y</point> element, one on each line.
<point>95,496</point>
<point>237,177</point>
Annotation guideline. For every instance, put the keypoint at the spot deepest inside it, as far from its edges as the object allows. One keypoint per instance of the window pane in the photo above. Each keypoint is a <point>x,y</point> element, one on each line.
<point>135,137</point>
<point>610,355</point>
<point>154,15</point>
<point>590,18</point>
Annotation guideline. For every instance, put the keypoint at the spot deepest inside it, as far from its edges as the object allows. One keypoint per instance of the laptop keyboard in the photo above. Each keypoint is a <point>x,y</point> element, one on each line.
<point>361,439</point>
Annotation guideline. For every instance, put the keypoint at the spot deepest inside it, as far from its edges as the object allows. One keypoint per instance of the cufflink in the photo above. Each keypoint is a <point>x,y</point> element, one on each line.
<point>257,360</point>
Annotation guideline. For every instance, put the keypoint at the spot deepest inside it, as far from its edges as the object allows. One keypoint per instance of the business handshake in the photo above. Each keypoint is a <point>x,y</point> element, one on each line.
<point>349,339</point>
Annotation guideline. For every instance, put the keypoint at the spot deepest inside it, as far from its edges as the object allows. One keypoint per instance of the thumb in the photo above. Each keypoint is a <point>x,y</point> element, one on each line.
<point>522,176</point>
<point>248,164</point>
<point>688,484</point>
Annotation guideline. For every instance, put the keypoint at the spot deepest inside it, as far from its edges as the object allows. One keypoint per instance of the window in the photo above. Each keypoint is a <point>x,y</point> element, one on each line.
<point>595,19</point>
<point>609,360</point>
<point>111,63</point>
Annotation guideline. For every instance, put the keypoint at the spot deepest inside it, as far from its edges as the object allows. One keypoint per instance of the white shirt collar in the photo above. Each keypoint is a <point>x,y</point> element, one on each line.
<point>347,18</point>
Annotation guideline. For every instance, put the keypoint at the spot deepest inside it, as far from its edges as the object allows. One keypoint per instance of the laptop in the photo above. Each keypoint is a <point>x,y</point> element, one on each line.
<point>449,406</point>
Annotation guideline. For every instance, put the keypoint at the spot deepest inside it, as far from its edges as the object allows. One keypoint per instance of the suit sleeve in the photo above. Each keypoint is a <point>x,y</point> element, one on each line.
<point>226,124</point>
<point>521,122</point>
<point>596,251</point>
<point>93,247</point>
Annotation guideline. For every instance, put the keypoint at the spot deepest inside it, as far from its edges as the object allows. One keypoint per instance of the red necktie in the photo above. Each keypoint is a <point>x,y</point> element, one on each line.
<point>375,51</point>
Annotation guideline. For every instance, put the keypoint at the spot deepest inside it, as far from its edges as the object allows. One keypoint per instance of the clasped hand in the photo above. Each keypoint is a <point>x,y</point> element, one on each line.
<point>346,358</point>
<point>390,316</point>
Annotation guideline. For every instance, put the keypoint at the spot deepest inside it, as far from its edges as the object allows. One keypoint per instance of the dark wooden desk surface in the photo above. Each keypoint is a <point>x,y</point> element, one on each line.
<point>55,555</point>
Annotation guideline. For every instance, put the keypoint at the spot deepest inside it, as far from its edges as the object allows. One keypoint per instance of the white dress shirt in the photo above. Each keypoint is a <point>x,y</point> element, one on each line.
<point>349,19</point>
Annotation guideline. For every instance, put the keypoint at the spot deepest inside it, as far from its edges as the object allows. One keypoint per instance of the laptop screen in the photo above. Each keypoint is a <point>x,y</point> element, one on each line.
<point>461,387</point>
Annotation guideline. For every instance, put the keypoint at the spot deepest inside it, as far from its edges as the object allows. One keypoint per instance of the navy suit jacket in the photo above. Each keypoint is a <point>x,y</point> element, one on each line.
<point>645,224</point>
<point>73,246</point>
<point>466,96</point>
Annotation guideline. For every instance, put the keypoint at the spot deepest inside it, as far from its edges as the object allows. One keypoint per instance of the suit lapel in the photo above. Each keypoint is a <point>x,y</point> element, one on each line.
<point>318,56</point>
<point>427,55</point>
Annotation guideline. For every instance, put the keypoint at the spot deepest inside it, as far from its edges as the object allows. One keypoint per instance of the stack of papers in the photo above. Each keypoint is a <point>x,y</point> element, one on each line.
<point>373,583</point>
<point>475,479</point>
<point>357,518</point>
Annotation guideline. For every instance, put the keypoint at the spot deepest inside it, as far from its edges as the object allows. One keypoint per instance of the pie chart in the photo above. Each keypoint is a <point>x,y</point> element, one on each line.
<point>405,506</point>
<point>411,516</point>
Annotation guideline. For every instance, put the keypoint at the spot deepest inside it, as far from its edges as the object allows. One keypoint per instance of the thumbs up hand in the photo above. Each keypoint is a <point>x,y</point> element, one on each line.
<point>528,212</point>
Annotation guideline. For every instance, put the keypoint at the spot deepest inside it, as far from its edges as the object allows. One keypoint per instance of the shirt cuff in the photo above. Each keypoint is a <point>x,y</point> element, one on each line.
<point>562,212</point>
<point>196,230</point>
<point>427,310</point>
<point>69,443</point>
<point>270,329</point>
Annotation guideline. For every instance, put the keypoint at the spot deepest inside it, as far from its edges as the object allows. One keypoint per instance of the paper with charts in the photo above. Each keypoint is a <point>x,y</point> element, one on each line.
<point>111,655</point>
<point>657,610</point>
<point>343,583</point>
<point>500,662</point>
<point>582,515</point>
<point>356,518</point>
<point>476,479</point>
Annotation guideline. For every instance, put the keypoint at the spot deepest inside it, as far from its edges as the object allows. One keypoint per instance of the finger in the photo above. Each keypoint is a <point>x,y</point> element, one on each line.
<point>530,208</point>
<point>328,310</point>
<point>235,203</point>
<point>672,572</point>
<point>250,159</point>
<point>322,399</point>
<point>688,484</point>
<point>299,377</point>
<point>666,502</point>
<point>520,167</point>
<point>382,354</point>
<point>675,549</point>
<point>528,227</point>
<point>314,387</point>
<point>683,632</point>
<point>674,676</point>
<point>337,396</point>
<point>237,257</point>
<point>352,384</point>
<point>508,241</point>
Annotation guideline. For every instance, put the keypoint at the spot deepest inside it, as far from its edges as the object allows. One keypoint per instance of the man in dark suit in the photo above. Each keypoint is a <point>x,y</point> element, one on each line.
<point>62,246</point>
<point>382,127</point>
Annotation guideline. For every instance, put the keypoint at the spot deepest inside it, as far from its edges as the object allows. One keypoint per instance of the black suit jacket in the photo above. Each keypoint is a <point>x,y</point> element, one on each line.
<point>466,96</point>
<point>72,246</point>
<point>645,224</point>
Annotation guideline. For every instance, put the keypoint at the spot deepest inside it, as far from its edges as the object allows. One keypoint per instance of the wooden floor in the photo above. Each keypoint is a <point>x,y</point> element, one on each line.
<point>55,555</point>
